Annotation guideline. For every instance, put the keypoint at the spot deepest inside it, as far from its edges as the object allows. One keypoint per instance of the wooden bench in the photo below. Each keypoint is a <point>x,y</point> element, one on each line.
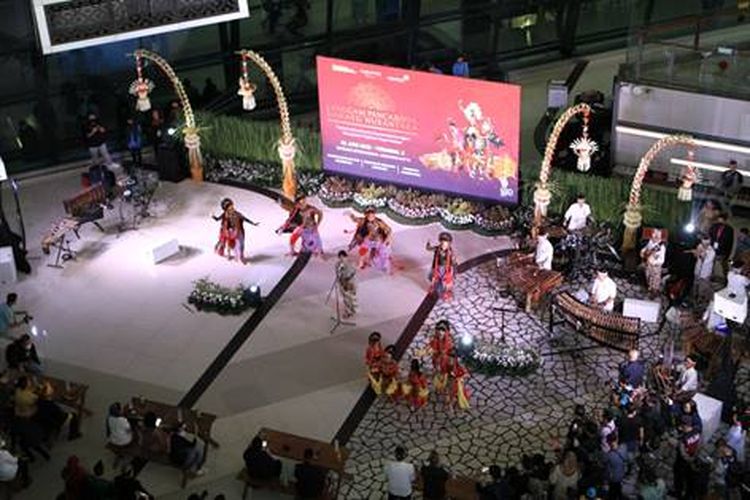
<point>134,451</point>
<point>274,485</point>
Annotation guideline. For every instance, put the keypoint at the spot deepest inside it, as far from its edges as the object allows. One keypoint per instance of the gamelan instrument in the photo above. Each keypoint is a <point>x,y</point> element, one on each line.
<point>607,328</point>
<point>524,277</point>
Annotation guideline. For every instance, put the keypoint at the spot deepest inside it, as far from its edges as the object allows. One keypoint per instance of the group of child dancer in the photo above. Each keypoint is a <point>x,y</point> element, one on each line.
<point>448,380</point>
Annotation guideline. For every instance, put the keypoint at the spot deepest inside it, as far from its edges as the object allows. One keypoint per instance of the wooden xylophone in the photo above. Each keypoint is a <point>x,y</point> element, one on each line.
<point>523,276</point>
<point>87,204</point>
<point>58,231</point>
<point>611,329</point>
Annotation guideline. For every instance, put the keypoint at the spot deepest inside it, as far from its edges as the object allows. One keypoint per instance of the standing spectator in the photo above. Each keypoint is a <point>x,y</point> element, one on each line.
<point>705,255</point>
<point>127,487</point>
<point>651,486</point>
<point>21,355</point>
<point>707,216</point>
<point>95,136</point>
<point>497,489</point>
<point>75,477</point>
<point>259,463</point>
<point>631,434</point>
<point>742,245</point>
<point>576,427</point>
<point>186,451</point>
<point>687,453</point>
<point>400,475</point>
<point>728,472</point>
<point>607,428</point>
<point>273,14</point>
<point>736,437</point>
<point>156,129</point>
<point>564,477</point>
<point>97,487</point>
<point>722,239</point>
<point>633,370</point>
<point>174,114</point>
<point>434,477</point>
<point>615,468</point>
<point>210,91</point>
<point>310,479</point>
<point>135,144</point>
<point>460,67</point>
<point>731,183</point>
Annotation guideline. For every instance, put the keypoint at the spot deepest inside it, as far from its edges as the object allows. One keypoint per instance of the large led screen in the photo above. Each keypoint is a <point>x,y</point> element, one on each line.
<point>426,130</point>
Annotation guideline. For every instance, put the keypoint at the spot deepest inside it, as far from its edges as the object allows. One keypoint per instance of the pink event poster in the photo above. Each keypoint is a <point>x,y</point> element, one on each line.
<point>420,129</point>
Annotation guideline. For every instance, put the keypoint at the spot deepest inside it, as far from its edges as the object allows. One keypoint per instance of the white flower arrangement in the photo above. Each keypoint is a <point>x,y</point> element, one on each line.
<point>365,201</point>
<point>456,219</point>
<point>211,296</point>
<point>503,359</point>
<point>412,212</point>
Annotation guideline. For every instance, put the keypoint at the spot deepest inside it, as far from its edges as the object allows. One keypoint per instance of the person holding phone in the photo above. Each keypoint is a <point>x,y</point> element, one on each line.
<point>259,463</point>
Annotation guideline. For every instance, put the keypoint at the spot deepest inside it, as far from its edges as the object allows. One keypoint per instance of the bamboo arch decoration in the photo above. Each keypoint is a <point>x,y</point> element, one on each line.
<point>633,218</point>
<point>192,140</point>
<point>287,145</point>
<point>542,194</point>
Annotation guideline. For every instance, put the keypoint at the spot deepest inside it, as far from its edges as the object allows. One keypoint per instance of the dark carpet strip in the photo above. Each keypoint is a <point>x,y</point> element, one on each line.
<point>367,398</point>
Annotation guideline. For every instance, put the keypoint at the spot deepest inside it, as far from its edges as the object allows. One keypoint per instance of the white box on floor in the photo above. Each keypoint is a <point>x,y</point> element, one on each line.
<point>710,411</point>
<point>646,310</point>
<point>7,266</point>
<point>165,250</point>
<point>730,306</point>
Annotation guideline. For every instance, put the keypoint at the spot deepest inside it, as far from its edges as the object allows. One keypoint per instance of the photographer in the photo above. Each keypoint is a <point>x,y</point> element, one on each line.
<point>95,137</point>
<point>9,317</point>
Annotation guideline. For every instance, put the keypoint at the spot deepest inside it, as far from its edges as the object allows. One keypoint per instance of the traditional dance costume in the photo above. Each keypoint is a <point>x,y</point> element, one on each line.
<point>232,233</point>
<point>416,389</point>
<point>441,346</point>
<point>459,391</point>
<point>303,223</point>
<point>373,359</point>
<point>391,380</point>
<point>443,268</point>
<point>373,237</point>
<point>654,254</point>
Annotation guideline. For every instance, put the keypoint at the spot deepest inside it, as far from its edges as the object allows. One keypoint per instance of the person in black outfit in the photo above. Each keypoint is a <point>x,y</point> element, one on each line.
<point>722,239</point>
<point>21,355</point>
<point>310,479</point>
<point>434,477</point>
<point>497,489</point>
<point>185,450</point>
<point>127,486</point>
<point>95,137</point>
<point>259,463</point>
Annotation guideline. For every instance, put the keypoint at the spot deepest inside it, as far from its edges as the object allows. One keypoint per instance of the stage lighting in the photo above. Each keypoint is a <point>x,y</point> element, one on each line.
<point>34,331</point>
<point>171,131</point>
<point>252,296</point>
<point>465,344</point>
<point>690,228</point>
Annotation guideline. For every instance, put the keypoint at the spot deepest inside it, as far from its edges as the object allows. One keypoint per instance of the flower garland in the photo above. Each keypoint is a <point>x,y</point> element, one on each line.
<point>493,359</point>
<point>210,296</point>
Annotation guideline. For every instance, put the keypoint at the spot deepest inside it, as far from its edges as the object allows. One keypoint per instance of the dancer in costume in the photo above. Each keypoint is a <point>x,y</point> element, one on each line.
<point>417,392</point>
<point>373,237</point>
<point>390,374</point>
<point>346,281</point>
<point>303,222</point>
<point>458,376</point>
<point>232,233</point>
<point>441,344</point>
<point>373,359</point>
<point>443,266</point>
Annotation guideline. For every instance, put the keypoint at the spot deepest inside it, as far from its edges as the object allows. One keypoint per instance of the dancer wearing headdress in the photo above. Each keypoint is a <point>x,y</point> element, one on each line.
<point>415,390</point>
<point>303,222</point>
<point>373,360</point>
<point>443,267</point>
<point>232,233</point>
<point>458,376</point>
<point>391,374</point>
<point>373,237</point>
<point>441,344</point>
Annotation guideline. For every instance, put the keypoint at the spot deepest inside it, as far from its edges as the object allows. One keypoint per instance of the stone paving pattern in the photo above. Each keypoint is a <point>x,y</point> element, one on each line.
<point>509,416</point>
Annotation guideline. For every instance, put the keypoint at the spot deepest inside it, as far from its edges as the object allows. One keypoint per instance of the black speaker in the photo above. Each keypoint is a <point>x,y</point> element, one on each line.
<point>171,163</point>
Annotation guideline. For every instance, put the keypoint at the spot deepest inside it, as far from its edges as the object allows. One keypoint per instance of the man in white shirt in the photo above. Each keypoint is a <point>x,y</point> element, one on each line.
<point>653,255</point>
<point>400,476</point>
<point>577,214</point>
<point>603,291</point>
<point>704,268</point>
<point>8,466</point>
<point>544,251</point>
<point>687,384</point>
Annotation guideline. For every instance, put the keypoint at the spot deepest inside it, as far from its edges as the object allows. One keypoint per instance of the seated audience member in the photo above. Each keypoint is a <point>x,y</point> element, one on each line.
<point>187,451</point>
<point>119,431</point>
<point>127,487</point>
<point>75,477</point>
<point>21,355</point>
<point>11,468</point>
<point>259,463</point>
<point>96,486</point>
<point>310,479</point>
<point>9,316</point>
<point>434,476</point>
<point>400,475</point>
<point>25,428</point>
<point>153,440</point>
<point>52,417</point>
<point>497,488</point>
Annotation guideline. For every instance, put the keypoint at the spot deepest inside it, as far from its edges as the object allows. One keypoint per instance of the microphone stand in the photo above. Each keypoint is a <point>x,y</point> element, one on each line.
<point>337,321</point>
